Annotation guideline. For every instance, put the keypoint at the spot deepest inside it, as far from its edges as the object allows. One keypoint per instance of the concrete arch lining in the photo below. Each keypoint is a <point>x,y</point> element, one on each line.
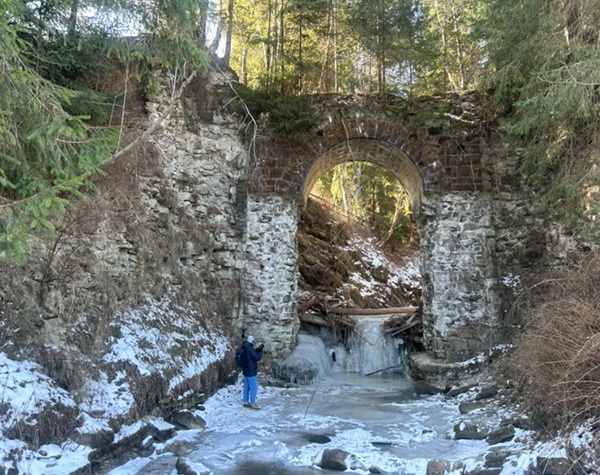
<point>375,151</point>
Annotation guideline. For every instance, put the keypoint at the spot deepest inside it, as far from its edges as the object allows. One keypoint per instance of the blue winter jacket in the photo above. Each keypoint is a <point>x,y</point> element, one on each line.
<point>252,358</point>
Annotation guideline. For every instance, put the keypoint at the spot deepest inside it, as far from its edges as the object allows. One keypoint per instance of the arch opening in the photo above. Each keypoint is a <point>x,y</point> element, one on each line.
<point>344,258</point>
<point>388,156</point>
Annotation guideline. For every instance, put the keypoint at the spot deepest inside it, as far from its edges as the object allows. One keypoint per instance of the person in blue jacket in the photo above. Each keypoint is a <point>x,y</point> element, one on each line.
<point>250,369</point>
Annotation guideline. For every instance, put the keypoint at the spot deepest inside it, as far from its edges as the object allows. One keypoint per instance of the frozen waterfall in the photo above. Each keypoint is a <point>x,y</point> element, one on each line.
<point>369,350</point>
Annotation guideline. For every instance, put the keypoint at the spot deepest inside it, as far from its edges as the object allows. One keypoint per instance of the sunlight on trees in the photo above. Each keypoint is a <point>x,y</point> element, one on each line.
<point>371,197</point>
<point>357,46</point>
<point>546,56</point>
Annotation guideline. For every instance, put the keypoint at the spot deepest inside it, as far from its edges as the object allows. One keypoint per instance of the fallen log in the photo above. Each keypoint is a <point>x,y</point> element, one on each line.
<point>384,369</point>
<point>393,323</point>
<point>403,328</point>
<point>305,306</point>
<point>372,311</point>
<point>314,320</point>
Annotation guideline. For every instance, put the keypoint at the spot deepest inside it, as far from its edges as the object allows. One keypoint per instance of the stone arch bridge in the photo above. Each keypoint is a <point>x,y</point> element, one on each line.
<point>439,148</point>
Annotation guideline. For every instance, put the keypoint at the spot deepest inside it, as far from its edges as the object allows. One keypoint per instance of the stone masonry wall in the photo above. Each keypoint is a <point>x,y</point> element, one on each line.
<point>477,246</point>
<point>459,280</point>
<point>251,238</point>
<point>531,238</point>
<point>271,272</point>
<point>204,159</point>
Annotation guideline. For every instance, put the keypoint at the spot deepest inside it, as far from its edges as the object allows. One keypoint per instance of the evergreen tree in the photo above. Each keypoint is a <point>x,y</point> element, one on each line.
<point>52,142</point>
<point>546,58</point>
<point>368,193</point>
<point>389,33</point>
<point>456,44</point>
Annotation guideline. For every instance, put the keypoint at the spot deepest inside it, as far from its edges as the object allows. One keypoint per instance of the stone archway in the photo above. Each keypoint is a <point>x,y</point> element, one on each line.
<point>435,150</point>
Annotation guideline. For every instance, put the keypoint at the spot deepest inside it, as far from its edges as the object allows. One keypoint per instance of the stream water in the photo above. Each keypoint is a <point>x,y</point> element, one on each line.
<point>378,419</point>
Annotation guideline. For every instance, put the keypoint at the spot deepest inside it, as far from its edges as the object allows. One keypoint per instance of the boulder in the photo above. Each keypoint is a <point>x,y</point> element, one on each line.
<point>487,393</point>
<point>377,471</point>
<point>334,459</point>
<point>93,437</point>
<point>438,467</point>
<point>317,438</point>
<point>187,420</point>
<point>470,430</point>
<point>179,447</point>
<point>186,466</point>
<point>161,430</point>
<point>467,407</point>
<point>427,389</point>
<point>502,434</point>
<point>158,466</point>
<point>455,391</point>
<point>496,458</point>
<point>485,471</point>
<point>134,437</point>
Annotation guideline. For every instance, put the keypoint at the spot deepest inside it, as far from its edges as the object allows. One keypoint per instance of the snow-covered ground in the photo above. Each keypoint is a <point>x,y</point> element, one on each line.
<point>146,341</point>
<point>373,259</point>
<point>378,420</point>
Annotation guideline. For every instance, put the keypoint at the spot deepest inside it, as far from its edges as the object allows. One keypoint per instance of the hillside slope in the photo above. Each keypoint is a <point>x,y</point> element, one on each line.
<point>342,263</point>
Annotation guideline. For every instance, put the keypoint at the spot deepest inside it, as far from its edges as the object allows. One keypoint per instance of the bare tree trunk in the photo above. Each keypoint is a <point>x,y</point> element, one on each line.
<point>460,55</point>
<point>228,39</point>
<point>72,27</point>
<point>399,201</point>
<point>268,49</point>
<point>299,85</point>
<point>245,66</point>
<point>324,77</point>
<point>201,31</point>
<point>282,46</point>
<point>335,53</point>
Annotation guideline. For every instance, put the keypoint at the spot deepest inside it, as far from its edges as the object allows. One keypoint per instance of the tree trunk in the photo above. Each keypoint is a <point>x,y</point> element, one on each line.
<point>244,73</point>
<point>268,48</point>
<point>228,39</point>
<point>201,30</point>
<point>390,233</point>
<point>282,46</point>
<point>72,27</point>
<point>372,311</point>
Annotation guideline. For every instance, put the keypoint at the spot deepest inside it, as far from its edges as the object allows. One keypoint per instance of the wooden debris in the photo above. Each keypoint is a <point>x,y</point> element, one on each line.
<point>384,369</point>
<point>373,311</point>
<point>405,322</point>
<point>409,327</point>
<point>314,320</point>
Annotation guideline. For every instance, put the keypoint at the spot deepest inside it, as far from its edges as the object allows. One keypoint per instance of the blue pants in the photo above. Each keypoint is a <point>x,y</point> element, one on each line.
<point>250,389</point>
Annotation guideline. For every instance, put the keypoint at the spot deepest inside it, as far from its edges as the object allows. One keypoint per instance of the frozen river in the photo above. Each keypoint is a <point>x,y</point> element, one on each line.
<point>377,419</point>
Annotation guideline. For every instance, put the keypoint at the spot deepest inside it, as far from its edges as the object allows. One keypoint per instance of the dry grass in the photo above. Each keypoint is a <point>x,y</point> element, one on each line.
<point>558,355</point>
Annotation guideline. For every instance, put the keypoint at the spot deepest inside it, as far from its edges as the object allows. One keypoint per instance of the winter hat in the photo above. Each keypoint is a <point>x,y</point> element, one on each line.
<point>250,339</point>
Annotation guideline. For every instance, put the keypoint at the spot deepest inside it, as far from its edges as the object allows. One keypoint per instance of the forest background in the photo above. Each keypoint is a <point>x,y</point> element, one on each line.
<point>60,124</point>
